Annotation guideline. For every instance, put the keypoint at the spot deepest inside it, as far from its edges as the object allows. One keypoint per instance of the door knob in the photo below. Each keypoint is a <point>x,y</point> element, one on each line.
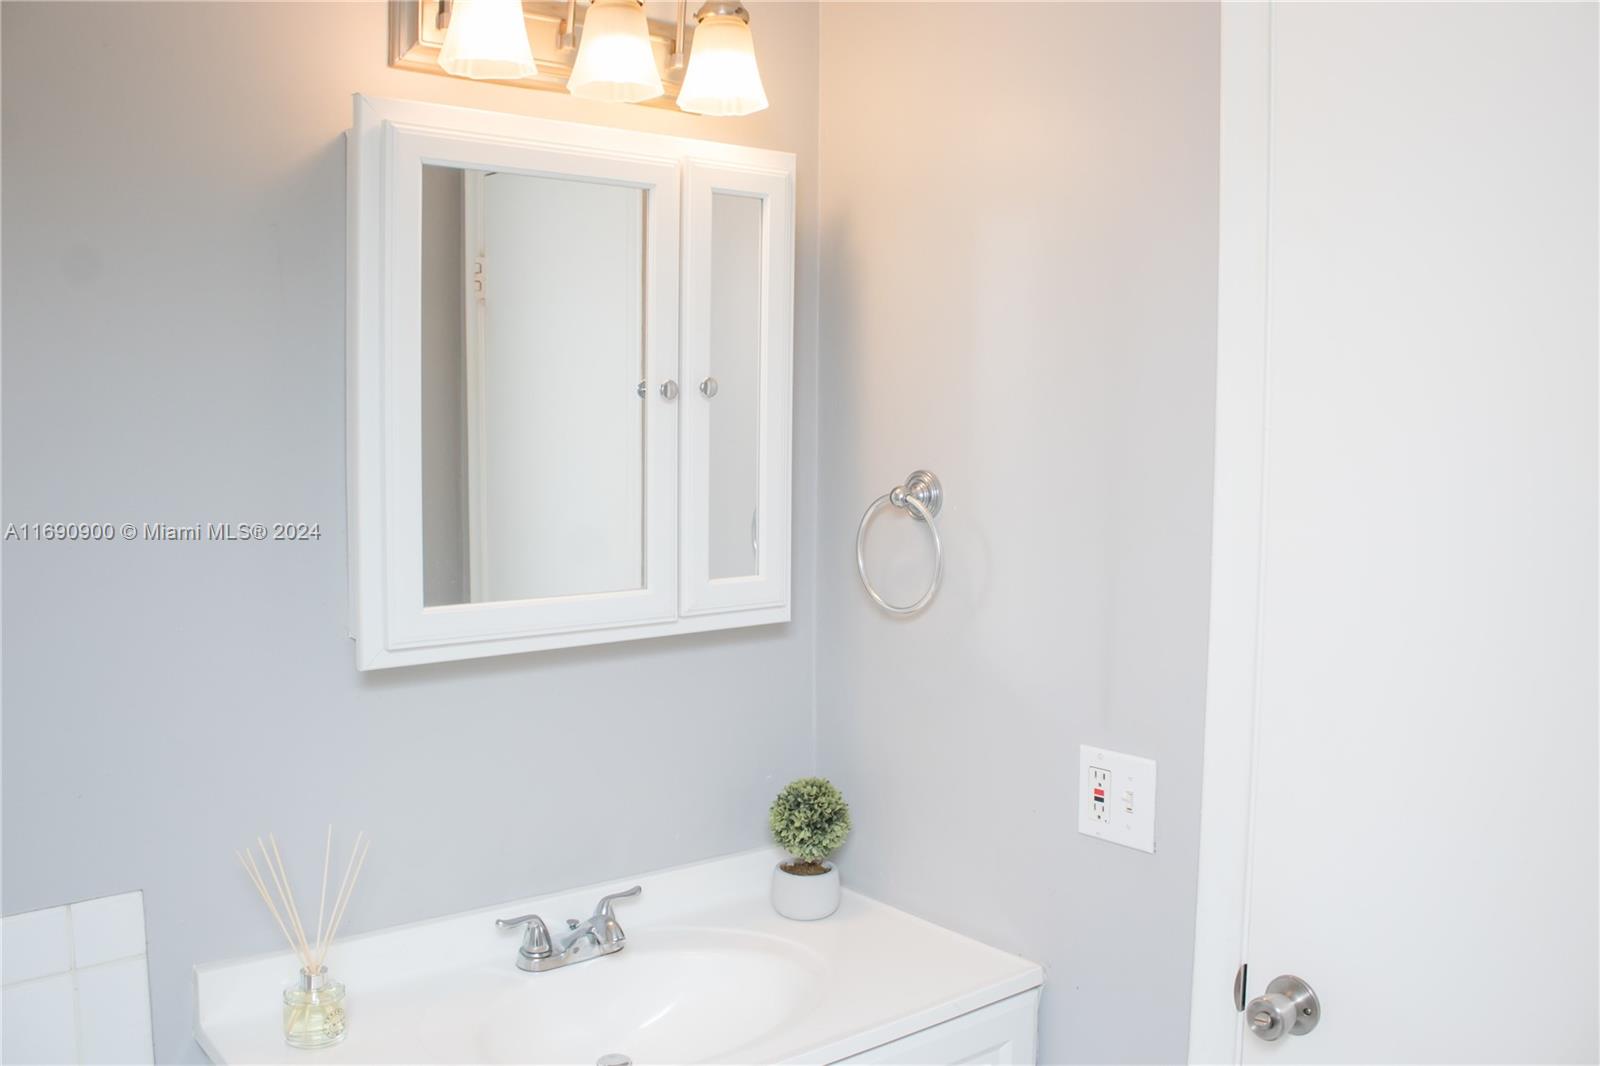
<point>669,390</point>
<point>708,388</point>
<point>1288,1006</point>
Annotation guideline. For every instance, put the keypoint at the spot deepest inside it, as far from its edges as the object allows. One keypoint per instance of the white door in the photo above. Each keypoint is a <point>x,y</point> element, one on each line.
<point>1401,766</point>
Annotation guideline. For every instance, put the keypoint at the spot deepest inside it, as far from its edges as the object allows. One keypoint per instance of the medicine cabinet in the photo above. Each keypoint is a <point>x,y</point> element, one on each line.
<point>569,388</point>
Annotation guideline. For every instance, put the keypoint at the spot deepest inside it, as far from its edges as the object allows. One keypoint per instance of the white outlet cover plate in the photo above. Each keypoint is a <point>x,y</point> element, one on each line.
<point>1133,785</point>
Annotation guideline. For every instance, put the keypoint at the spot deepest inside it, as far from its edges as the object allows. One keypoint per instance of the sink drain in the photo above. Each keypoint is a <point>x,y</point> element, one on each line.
<point>613,1059</point>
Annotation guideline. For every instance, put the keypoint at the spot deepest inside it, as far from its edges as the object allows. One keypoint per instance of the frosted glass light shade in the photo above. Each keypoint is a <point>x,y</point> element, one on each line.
<point>487,39</point>
<point>615,62</point>
<point>722,78</point>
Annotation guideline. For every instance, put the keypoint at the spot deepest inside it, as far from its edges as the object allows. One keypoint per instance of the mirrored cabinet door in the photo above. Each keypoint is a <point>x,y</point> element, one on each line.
<point>545,296</point>
<point>515,369</point>
<point>737,359</point>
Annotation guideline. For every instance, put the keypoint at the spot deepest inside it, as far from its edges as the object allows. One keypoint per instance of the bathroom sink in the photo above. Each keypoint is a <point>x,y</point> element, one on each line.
<point>709,973</point>
<point>654,1002</point>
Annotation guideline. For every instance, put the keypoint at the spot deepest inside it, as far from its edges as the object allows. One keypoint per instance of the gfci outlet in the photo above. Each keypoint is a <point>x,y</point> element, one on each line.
<point>1117,798</point>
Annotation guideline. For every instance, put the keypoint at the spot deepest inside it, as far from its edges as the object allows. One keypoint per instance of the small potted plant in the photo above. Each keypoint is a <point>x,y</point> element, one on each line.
<point>809,819</point>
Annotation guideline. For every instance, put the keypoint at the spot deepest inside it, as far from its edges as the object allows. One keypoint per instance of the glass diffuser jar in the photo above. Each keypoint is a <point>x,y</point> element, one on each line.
<point>313,1011</point>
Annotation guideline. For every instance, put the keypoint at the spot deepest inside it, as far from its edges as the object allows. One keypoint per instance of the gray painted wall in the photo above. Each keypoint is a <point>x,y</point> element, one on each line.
<point>1019,286</point>
<point>174,351</point>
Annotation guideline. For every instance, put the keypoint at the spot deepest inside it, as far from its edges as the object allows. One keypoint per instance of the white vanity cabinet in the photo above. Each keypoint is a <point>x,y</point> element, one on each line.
<point>1002,1034</point>
<point>569,383</point>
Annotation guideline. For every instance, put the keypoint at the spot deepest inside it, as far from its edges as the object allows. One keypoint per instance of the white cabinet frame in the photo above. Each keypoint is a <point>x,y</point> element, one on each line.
<point>388,146</point>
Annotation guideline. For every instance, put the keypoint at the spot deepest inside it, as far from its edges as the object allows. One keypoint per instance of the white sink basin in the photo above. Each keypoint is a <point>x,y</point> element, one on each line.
<point>656,1001</point>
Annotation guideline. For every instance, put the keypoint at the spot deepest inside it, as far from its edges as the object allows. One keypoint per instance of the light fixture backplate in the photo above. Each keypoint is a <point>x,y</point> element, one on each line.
<point>415,38</point>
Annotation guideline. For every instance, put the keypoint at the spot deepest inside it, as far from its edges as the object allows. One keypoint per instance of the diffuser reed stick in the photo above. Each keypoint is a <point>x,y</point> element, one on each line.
<point>327,850</point>
<point>342,898</point>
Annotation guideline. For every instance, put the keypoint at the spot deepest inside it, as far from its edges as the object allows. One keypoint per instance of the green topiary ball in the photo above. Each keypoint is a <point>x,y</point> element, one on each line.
<point>810,819</point>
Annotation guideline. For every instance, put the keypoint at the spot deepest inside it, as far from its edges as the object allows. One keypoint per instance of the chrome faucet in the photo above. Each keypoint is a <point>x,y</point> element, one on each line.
<point>597,935</point>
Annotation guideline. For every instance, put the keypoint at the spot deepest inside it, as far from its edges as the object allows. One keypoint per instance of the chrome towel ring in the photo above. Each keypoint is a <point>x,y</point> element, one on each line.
<point>922,496</point>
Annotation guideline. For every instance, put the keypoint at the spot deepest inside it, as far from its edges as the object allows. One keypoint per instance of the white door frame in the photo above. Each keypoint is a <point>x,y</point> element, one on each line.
<point>1238,509</point>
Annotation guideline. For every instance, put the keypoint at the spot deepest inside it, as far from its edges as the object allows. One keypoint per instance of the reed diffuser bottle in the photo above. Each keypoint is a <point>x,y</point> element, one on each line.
<point>313,1011</point>
<point>313,1005</point>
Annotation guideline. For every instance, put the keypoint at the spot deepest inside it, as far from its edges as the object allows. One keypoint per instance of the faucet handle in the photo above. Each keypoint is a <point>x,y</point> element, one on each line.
<point>536,943</point>
<point>603,908</point>
<point>610,931</point>
<point>512,923</point>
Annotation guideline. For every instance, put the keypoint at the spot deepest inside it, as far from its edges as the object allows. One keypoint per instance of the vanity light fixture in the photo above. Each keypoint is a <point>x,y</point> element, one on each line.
<point>486,40</point>
<point>606,50</point>
<point>723,78</point>
<point>615,61</point>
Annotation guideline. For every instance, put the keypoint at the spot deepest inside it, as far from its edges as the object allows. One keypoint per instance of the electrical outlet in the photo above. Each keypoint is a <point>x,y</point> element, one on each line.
<point>1099,790</point>
<point>1117,798</point>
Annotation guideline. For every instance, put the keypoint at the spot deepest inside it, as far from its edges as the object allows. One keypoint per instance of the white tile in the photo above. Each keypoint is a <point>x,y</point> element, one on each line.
<point>114,1013</point>
<point>38,1024</point>
<point>33,945</point>
<point>111,927</point>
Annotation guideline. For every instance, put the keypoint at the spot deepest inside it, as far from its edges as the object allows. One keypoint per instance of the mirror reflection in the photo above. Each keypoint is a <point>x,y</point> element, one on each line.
<point>532,359</point>
<point>734,386</point>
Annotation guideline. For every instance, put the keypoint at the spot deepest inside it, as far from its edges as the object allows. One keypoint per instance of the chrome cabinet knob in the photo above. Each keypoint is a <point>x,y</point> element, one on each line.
<point>1288,1007</point>
<point>669,390</point>
<point>708,388</point>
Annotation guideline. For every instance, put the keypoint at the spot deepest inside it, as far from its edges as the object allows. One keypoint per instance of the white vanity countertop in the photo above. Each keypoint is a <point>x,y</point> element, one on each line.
<point>428,992</point>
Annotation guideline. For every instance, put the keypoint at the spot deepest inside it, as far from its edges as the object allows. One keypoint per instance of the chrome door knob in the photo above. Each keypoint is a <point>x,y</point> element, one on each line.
<point>708,388</point>
<point>669,390</point>
<point>1288,1007</point>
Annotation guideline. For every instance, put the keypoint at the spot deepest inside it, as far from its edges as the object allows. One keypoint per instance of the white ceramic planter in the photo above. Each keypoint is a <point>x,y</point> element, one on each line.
<point>805,898</point>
